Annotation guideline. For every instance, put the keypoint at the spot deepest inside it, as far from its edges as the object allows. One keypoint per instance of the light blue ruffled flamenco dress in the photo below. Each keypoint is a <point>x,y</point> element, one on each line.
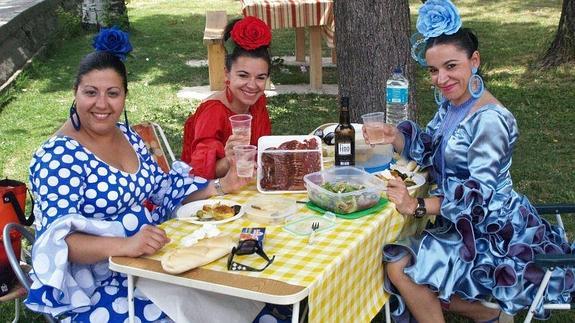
<point>484,242</point>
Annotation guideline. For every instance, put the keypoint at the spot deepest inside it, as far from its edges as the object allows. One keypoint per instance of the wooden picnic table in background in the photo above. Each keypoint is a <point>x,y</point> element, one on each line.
<point>316,15</point>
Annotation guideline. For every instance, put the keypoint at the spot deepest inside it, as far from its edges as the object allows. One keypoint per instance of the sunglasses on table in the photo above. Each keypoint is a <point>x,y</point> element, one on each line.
<point>248,247</point>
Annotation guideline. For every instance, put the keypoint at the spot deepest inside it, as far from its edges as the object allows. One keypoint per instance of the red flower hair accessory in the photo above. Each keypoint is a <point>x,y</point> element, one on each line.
<point>251,33</point>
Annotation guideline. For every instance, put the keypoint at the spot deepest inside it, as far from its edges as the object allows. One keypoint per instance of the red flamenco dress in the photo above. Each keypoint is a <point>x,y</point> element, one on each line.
<point>207,130</point>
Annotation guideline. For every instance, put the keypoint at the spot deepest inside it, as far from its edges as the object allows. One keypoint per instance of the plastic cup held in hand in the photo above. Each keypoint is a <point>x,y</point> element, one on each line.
<point>245,159</point>
<point>374,123</point>
<point>242,126</point>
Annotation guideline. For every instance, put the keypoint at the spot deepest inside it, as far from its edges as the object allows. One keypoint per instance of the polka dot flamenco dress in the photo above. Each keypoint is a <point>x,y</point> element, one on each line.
<point>75,191</point>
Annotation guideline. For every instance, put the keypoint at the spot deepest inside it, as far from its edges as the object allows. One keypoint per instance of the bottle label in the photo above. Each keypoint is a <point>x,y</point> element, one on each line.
<point>396,94</point>
<point>344,148</point>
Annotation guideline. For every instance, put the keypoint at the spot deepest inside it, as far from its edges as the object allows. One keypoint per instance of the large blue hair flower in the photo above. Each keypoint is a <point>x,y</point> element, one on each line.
<point>437,17</point>
<point>114,41</point>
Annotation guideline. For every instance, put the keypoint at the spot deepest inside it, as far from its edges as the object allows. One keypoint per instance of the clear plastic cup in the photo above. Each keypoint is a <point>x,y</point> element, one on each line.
<point>245,159</point>
<point>374,125</point>
<point>242,126</point>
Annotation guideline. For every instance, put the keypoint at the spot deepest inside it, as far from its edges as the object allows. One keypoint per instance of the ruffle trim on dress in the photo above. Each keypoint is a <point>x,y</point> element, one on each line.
<point>174,188</point>
<point>417,143</point>
<point>59,286</point>
<point>462,259</point>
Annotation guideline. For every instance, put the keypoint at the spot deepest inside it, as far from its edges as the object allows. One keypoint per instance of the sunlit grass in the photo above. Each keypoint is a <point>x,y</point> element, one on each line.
<point>168,33</point>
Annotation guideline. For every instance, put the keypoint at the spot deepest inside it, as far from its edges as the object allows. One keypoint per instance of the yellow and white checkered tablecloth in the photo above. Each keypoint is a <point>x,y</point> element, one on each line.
<point>343,268</point>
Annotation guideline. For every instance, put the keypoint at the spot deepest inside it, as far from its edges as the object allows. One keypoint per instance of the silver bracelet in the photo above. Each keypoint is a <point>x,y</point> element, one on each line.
<point>218,186</point>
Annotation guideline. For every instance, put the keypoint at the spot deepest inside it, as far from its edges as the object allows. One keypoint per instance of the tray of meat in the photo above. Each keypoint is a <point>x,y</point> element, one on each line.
<point>283,161</point>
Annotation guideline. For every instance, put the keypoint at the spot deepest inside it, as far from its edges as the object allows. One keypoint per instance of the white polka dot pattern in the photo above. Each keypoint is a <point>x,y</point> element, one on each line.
<point>76,191</point>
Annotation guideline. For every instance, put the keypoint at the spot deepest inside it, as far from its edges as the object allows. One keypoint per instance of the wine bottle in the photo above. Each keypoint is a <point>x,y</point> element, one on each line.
<point>344,137</point>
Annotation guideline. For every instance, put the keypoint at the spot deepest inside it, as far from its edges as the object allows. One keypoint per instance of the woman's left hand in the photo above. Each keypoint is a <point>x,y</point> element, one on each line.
<point>233,140</point>
<point>232,182</point>
<point>398,194</point>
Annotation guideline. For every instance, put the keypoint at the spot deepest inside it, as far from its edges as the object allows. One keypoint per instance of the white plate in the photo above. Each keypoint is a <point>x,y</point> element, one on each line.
<point>416,177</point>
<point>188,211</point>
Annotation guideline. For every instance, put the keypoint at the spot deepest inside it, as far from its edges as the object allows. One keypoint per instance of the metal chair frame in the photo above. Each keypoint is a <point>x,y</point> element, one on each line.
<point>23,278</point>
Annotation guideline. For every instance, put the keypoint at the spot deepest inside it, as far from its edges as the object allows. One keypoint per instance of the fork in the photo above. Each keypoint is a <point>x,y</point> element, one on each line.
<point>314,227</point>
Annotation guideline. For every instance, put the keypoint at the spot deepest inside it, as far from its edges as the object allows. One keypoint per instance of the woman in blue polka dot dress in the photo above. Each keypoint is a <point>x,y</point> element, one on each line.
<point>89,182</point>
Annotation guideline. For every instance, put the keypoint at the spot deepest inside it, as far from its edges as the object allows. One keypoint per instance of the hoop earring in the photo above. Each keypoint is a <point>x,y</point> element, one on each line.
<point>126,120</point>
<point>74,118</point>
<point>475,84</point>
<point>438,96</point>
<point>229,94</point>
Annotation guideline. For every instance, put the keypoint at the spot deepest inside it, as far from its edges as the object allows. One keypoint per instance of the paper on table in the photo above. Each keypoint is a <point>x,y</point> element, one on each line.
<point>184,304</point>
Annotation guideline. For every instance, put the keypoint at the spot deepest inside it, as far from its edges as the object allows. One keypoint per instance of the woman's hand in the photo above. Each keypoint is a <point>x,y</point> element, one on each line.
<point>390,134</point>
<point>398,194</point>
<point>147,241</point>
<point>232,182</point>
<point>234,140</point>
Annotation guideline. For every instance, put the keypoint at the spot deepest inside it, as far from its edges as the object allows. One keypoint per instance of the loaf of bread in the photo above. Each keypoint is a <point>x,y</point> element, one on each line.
<point>205,251</point>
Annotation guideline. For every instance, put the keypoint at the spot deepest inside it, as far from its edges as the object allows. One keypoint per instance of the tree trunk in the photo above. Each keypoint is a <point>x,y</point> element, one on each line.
<point>93,13</point>
<point>118,14</point>
<point>107,13</point>
<point>562,49</point>
<point>372,38</point>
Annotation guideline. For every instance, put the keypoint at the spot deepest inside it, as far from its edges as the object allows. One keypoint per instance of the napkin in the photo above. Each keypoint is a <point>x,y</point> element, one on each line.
<point>179,260</point>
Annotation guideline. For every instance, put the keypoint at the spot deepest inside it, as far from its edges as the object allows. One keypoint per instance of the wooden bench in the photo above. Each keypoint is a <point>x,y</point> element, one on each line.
<point>214,39</point>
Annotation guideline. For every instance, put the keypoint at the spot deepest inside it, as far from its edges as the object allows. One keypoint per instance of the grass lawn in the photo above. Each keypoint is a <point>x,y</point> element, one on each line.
<point>168,33</point>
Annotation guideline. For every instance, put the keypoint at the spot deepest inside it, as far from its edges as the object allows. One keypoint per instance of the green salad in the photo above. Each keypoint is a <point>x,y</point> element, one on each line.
<point>344,203</point>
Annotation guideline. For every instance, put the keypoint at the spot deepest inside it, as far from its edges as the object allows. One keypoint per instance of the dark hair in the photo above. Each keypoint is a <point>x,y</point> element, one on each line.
<point>260,52</point>
<point>101,61</point>
<point>464,39</point>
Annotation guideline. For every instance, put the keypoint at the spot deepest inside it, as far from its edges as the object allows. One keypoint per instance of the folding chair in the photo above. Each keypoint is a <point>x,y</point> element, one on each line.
<point>149,132</point>
<point>548,262</point>
<point>16,265</point>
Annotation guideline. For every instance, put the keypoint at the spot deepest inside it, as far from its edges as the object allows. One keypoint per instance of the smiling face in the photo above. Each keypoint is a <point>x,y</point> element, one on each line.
<point>450,70</point>
<point>247,79</point>
<point>100,99</point>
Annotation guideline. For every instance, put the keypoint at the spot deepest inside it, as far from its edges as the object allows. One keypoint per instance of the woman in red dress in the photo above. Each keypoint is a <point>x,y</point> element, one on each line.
<point>208,140</point>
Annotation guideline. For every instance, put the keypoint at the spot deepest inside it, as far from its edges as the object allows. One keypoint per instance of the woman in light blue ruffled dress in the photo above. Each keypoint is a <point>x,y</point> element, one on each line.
<point>90,181</point>
<point>486,235</point>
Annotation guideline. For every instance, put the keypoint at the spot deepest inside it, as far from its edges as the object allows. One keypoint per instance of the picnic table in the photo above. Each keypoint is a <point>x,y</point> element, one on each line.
<point>341,274</point>
<point>315,15</point>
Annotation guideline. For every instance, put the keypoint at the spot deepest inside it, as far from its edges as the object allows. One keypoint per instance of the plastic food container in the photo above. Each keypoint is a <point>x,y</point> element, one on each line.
<point>270,210</point>
<point>283,161</point>
<point>347,202</point>
<point>372,159</point>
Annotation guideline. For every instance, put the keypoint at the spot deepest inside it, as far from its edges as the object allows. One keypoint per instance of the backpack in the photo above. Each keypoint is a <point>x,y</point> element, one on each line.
<point>12,205</point>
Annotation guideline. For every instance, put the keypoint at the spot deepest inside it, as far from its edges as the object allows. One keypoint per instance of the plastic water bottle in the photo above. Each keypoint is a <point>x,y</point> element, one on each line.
<point>397,93</point>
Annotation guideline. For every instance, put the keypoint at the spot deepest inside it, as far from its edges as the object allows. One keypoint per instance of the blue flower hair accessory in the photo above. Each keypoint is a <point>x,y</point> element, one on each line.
<point>114,41</point>
<point>436,17</point>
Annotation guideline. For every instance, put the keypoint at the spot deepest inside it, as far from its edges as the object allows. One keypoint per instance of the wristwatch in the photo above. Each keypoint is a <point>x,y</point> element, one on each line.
<point>420,211</point>
<point>218,186</point>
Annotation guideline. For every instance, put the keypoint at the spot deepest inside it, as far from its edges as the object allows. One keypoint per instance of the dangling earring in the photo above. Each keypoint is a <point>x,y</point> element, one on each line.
<point>229,94</point>
<point>475,85</point>
<point>438,96</point>
<point>74,118</point>
<point>126,120</point>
